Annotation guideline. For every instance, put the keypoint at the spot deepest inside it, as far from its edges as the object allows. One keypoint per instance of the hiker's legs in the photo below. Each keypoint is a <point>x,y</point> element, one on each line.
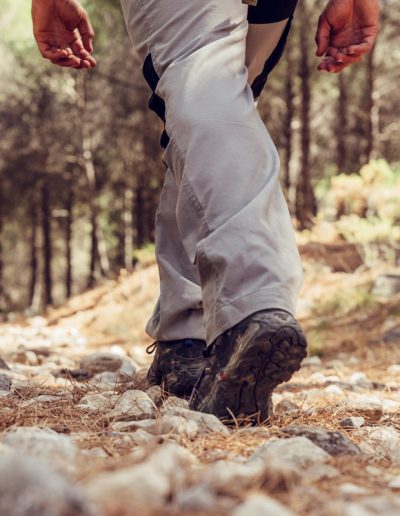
<point>179,312</point>
<point>231,215</point>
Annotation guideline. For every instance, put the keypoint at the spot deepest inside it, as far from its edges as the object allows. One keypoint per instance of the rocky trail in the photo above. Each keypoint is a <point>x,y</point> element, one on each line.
<point>82,434</point>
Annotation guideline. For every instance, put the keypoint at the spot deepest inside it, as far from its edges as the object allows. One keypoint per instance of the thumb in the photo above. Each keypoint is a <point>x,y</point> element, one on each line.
<point>322,35</point>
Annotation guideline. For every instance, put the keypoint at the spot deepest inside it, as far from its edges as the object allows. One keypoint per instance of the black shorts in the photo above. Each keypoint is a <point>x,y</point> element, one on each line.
<point>270,11</point>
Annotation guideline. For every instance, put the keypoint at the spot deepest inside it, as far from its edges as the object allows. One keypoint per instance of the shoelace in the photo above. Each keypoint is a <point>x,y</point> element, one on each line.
<point>150,349</point>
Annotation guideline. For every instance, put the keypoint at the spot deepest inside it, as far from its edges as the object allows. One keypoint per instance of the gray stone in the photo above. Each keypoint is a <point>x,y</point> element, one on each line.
<point>149,484</point>
<point>388,439</point>
<point>318,472</point>
<point>29,487</point>
<point>155,394</point>
<point>175,426</point>
<point>295,451</point>
<point>172,402</point>
<point>368,406</point>
<point>132,406</point>
<point>261,505</point>
<point>45,444</point>
<point>286,407</point>
<point>132,426</point>
<point>352,422</point>
<point>333,443</point>
<point>100,362</point>
<point>227,477</point>
<point>3,365</point>
<point>98,402</point>
<point>206,422</point>
<point>5,382</point>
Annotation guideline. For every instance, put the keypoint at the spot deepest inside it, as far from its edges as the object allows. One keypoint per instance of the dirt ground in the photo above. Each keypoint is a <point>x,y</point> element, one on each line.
<point>345,401</point>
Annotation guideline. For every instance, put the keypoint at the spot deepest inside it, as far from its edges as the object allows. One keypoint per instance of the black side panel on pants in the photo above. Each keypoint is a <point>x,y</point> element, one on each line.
<point>266,11</point>
<point>270,11</point>
<point>272,61</point>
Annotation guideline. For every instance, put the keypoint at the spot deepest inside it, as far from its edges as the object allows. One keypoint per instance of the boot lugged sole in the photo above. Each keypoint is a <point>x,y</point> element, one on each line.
<point>262,360</point>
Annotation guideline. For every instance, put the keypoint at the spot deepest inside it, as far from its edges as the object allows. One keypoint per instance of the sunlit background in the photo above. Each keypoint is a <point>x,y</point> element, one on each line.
<point>80,169</point>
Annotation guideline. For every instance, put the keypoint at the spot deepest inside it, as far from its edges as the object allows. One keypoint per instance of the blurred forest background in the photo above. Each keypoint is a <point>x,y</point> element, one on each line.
<point>80,169</point>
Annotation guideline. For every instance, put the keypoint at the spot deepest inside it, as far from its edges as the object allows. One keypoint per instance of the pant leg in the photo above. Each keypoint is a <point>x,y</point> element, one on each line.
<point>231,214</point>
<point>179,311</point>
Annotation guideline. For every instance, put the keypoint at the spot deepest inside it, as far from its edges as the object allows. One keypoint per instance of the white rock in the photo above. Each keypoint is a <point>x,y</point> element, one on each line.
<point>390,406</point>
<point>261,505</point>
<point>389,440</point>
<point>149,484</point>
<point>196,498</point>
<point>311,361</point>
<point>355,509</point>
<point>44,444</point>
<point>131,426</point>
<point>206,422</point>
<point>155,394</point>
<point>368,406</point>
<point>321,472</point>
<point>395,483</point>
<point>175,426</point>
<point>359,378</point>
<point>105,381</point>
<point>172,402</point>
<point>230,478</point>
<point>334,389</point>
<point>29,487</point>
<point>132,405</point>
<point>98,402</point>
<point>394,369</point>
<point>296,451</point>
<point>348,489</point>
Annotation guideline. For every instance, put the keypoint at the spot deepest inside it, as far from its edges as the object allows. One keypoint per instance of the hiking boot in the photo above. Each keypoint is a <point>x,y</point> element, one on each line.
<point>177,365</point>
<point>246,363</point>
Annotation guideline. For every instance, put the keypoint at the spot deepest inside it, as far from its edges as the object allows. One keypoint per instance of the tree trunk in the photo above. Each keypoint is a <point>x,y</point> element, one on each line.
<point>2,286</point>
<point>68,239</point>
<point>305,200</point>
<point>98,252</point>
<point>33,262</point>
<point>47,249</point>
<point>341,129</point>
<point>128,228</point>
<point>289,116</point>
<point>140,215</point>
<point>372,111</point>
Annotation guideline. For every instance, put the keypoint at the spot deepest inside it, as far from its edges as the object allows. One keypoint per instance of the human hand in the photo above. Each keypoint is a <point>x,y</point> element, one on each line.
<point>347,29</point>
<point>63,33</point>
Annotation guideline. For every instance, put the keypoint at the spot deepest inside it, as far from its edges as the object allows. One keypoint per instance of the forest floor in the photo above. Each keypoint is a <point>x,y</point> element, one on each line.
<point>81,434</point>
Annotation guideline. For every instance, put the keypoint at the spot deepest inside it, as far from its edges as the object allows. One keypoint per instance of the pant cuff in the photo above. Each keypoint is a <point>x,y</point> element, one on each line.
<point>233,312</point>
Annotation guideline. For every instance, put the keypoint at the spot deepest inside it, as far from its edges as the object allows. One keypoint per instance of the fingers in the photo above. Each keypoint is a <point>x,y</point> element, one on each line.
<point>87,33</point>
<point>322,35</point>
<point>333,65</point>
<point>80,52</point>
<point>362,48</point>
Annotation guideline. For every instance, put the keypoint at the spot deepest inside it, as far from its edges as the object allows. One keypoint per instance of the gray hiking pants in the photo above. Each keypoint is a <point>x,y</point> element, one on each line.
<point>224,241</point>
